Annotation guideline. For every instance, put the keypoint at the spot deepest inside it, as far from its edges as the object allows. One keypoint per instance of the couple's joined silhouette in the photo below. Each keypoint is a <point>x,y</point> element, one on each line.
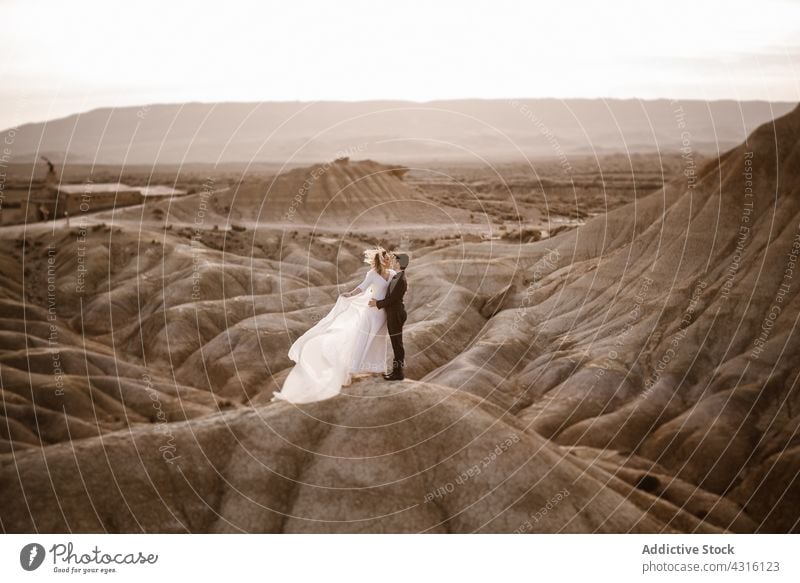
<point>352,338</point>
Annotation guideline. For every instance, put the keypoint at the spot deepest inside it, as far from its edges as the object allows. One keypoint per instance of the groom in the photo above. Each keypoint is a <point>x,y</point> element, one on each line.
<point>395,316</point>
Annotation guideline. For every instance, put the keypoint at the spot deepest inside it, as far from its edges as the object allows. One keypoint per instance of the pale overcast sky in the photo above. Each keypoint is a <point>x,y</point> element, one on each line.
<point>61,57</point>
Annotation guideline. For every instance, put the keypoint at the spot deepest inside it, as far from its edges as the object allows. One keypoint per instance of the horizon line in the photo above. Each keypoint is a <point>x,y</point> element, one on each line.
<point>386,100</point>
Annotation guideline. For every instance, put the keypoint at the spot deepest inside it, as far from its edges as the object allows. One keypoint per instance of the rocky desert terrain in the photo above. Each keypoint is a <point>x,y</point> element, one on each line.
<point>608,349</point>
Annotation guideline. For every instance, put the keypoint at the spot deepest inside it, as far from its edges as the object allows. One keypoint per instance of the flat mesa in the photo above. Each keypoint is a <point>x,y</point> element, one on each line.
<point>103,187</point>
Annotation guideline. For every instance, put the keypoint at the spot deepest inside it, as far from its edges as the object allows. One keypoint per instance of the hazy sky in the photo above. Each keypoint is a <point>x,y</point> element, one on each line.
<point>62,57</point>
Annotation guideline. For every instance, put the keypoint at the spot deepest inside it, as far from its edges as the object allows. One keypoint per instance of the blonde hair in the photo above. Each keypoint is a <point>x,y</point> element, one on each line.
<point>374,258</point>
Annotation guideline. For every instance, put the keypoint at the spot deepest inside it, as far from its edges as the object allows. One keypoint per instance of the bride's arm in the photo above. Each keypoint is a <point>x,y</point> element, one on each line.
<point>359,289</point>
<point>354,292</point>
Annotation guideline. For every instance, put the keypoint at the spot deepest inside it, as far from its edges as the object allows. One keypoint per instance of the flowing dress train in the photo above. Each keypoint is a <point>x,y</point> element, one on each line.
<point>351,338</point>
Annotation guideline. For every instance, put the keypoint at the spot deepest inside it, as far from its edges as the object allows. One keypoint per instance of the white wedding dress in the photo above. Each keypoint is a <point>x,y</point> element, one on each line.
<point>352,338</point>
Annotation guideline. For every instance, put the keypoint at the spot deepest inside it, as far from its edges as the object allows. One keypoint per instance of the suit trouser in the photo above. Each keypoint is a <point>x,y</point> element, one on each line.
<point>395,318</point>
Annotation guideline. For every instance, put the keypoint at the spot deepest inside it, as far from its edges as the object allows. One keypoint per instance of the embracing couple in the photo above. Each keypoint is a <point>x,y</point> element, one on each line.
<point>352,338</point>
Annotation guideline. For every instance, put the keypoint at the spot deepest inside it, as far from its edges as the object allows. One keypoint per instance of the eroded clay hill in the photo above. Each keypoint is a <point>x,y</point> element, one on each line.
<point>667,330</point>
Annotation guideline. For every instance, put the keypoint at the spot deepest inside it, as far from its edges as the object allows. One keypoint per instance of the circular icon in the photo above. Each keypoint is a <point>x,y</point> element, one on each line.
<point>31,556</point>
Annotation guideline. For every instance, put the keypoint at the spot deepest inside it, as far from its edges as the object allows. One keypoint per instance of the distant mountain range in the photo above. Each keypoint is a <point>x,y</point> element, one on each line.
<point>392,131</point>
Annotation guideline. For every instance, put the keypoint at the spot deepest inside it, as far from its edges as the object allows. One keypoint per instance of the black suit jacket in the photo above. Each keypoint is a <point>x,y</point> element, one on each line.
<point>394,298</point>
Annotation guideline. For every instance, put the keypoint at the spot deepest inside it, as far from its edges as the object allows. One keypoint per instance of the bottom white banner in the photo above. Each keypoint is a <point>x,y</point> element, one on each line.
<point>381,558</point>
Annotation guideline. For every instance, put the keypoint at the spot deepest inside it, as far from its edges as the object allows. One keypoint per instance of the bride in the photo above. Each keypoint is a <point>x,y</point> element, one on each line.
<point>351,339</point>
